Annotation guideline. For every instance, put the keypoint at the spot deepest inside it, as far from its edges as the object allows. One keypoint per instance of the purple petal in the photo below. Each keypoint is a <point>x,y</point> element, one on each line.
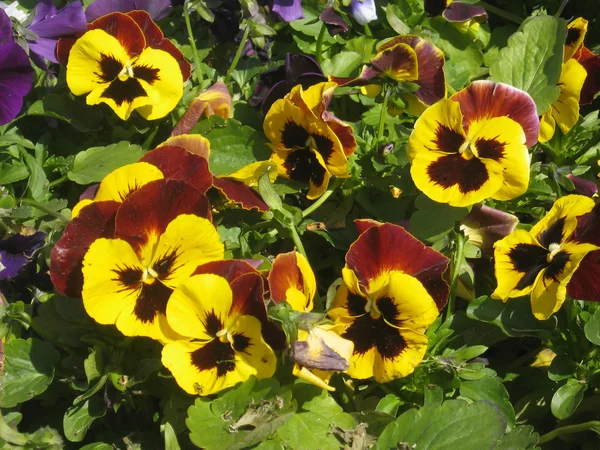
<point>583,186</point>
<point>288,10</point>
<point>44,47</point>
<point>5,28</point>
<point>16,251</point>
<point>334,22</point>
<point>69,20</point>
<point>16,76</point>
<point>11,265</point>
<point>461,12</point>
<point>298,65</point>
<point>363,11</point>
<point>43,10</point>
<point>90,192</point>
<point>158,9</point>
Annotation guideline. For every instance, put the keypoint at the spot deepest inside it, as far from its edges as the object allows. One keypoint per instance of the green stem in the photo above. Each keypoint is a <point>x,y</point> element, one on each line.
<point>560,8</point>
<point>500,12</point>
<point>44,209</point>
<point>238,53</point>
<point>455,272</point>
<point>319,51</point>
<point>368,32</point>
<point>297,241</point>
<point>317,204</point>
<point>58,181</point>
<point>148,141</point>
<point>593,425</point>
<point>383,115</point>
<point>188,25</point>
<point>5,227</point>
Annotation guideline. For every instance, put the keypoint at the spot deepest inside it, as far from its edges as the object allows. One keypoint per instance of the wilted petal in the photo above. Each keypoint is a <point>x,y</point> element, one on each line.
<point>216,100</point>
<point>583,186</point>
<point>485,225</point>
<point>334,22</point>
<point>462,12</point>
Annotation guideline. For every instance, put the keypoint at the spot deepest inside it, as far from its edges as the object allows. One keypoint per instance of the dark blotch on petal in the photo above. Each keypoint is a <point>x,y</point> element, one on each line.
<point>214,355</point>
<point>529,259</point>
<point>240,342</point>
<point>324,146</point>
<point>553,234</point>
<point>448,140</point>
<point>148,74</point>
<point>452,170</point>
<point>212,324</point>
<point>124,91</point>
<point>164,266</point>
<point>303,165</point>
<point>573,35</point>
<point>367,333</point>
<point>388,310</point>
<point>129,277</point>
<point>490,148</point>
<point>110,68</point>
<point>152,301</point>
<point>356,304</point>
<point>557,265</point>
<point>294,136</point>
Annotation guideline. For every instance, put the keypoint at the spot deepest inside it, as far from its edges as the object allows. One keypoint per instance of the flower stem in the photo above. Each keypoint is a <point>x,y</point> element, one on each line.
<point>238,54</point>
<point>560,8</point>
<point>455,272</point>
<point>368,31</point>
<point>58,181</point>
<point>317,204</point>
<point>500,12</point>
<point>188,25</point>
<point>593,425</point>
<point>383,115</point>
<point>319,51</point>
<point>297,241</point>
<point>44,209</point>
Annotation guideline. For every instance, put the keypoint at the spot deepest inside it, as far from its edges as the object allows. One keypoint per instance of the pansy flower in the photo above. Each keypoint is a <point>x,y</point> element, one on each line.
<point>309,143</point>
<point>50,24</point>
<point>276,83</point>
<point>95,218</point>
<point>402,59</point>
<point>291,279</point>
<point>393,290</point>
<point>541,262</point>
<point>125,62</point>
<point>463,15</point>
<point>159,240</point>
<point>221,346</point>
<point>16,73</point>
<point>287,10</point>
<point>474,145</point>
<point>484,225</point>
<point>363,11</point>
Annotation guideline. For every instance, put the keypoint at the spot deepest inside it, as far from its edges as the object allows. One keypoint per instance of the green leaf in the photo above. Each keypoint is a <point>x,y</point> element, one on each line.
<point>11,172</point>
<point>78,418</point>
<point>522,438</point>
<point>446,216</point>
<point>567,398</point>
<point>234,146</point>
<point>342,64</point>
<point>207,430</point>
<point>454,425</point>
<point>491,389</point>
<point>97,446</point>
<point>28,370</point>
<point>37,177</point>
<point>592,328</point>
<point>389,404</point>
<point>93,164</point>
<point>561,368</point>
<point>532,60</point>
<point>71,111</point>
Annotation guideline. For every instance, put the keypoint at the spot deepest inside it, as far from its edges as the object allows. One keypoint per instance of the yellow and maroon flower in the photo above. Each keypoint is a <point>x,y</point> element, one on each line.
<point>159,241</point>
<point>309,143</point>
<point>464,15</point>
<point>484,225</point>
<point>406,58</point>
<point>474,145</point>
<point>291,279</point>
<point>393,290</point>
<point>221,345</point>
<point>542,261</point>
<point>124,60</point>
<point>216,100</point>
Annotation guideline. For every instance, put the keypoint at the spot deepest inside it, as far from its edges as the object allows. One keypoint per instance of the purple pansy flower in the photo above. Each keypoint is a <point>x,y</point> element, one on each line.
<point>288,10</point>
<point>16,253</point>
<point>583,186</point>
<point>275,83</point>
<point>363,11</point>
<point>334,22</point>
<point>49,25</point>
<point>158,9</point>
<point>16,73</point>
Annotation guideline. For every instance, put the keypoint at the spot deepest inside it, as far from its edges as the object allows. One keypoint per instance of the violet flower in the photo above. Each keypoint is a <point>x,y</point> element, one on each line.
<point>158,9</point>
<point>49,25</point>
<point>275,83</point>
<point>288,10</point>
<point>583,186</point>
<point>16,73</point>
<point>363,11</point>
<point>16,253</point>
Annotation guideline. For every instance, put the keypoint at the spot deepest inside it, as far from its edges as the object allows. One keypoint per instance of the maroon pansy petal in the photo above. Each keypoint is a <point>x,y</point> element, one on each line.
<point>178,164</point>
<point>284,274</point>
<point>333,21</point>
<point>461,12</point>
<point>591,63</point>
<point>94,221</point>
<point>584,283</point>
<point>487,99</point>
<point>583,186</point>
<point>229,269</point>
<point>390,247</point>
<point>397,60</point>
<point>151,208</point>
<point>588,227</point>
<point>363,225</point>
<point>124,29</point>
<point>241,194</point>
<point>63,48</point>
